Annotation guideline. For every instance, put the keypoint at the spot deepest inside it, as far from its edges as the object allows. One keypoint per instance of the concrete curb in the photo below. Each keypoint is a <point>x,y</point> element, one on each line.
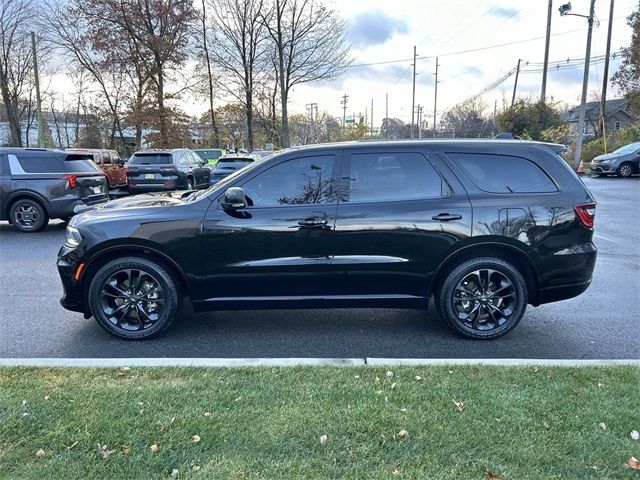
<point>296,362</point>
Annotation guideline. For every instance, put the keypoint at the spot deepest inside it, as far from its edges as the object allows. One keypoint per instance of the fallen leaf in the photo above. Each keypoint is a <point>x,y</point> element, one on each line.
<point>389,374</point>
<point>104,451</point>
<point>634,463</point>
<point>546,424</point>
<point>393,385</point>
<point>395,472</point>
<point>634,435</point>
<point>154,448</point>
<point>25,414</point>
<point>418,378</point>
<point>195,468</point>
<point>73,445</point>
<point>575,391</point>
<point>239,398</point>
<point>377,379</point>
<point>40,453</point>
<point>323,439</point>
<point>403,410</point>
<point>125,449</point>
<point>174,472</point>
<point>173,419</point>
<point>403,433</point>
<point>459,405</point>
<point>492,476</point>
<point>46,397</point>
<point>24,402</point>
<point>195,438</point>
<point>207,414</point>
<point>602,425</point>
<point>122,371</point>
<point>600,384</point>
<point>357,377</point>
<point>450,371</point>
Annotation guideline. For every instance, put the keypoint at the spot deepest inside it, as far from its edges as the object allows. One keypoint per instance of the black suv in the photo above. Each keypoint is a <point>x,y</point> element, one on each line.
<point>158,170</point>
<point>37,184</point>
<point>485,227</point>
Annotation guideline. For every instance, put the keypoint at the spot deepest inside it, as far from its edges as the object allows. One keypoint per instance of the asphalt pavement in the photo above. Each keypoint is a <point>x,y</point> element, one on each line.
<point>602,323</point>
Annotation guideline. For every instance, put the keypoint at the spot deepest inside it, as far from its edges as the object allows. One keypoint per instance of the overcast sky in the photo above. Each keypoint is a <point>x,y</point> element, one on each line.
<point>383,30</point>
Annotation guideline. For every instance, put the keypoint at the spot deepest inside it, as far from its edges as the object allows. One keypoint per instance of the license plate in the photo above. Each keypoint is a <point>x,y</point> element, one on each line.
<point>96,190</point>
<point>149,176</point>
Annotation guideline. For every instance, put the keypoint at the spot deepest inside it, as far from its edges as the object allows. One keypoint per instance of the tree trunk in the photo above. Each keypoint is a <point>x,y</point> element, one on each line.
<point>214,126</point>
<point>164,137</point>
<point>249,117</point>
<point>281,74</point>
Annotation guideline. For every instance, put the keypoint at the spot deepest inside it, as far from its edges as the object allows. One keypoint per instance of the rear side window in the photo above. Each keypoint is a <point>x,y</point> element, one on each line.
<point>106,159</point>
<point>151,159</point>
<point>31,163</point>
<point>503,173</point>
<point>377,177</point>
<point>80,164</point>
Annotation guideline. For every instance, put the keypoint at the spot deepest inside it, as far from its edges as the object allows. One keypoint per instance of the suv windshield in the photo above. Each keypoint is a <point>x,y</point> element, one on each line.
<point>80,164</point>
<point>151,159</point>
<point>207,154</point>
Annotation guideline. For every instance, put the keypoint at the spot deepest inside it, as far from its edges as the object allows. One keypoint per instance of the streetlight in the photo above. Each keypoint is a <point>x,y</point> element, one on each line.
<point>565,10</point>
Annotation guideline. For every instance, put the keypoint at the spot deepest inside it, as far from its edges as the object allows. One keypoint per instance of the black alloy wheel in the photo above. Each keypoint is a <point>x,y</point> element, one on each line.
<point>28,216</point>
<point>133,298</point>
<point>483,298</point>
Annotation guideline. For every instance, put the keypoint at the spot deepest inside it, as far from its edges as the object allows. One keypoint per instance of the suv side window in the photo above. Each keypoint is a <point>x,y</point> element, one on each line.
<point>115,158</point>
<point>181,158</point>
<point>38,163</point>
<point>503,173</point>
<point>381,177</point>
<point>300,181</point>
<point>106,159</point>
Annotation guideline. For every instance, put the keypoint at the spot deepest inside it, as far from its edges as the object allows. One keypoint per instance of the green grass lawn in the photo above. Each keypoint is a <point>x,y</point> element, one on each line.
<point>422,422</point>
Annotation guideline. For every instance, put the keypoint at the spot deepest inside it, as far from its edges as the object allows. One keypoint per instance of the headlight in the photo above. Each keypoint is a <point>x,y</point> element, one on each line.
<point>73,237</point>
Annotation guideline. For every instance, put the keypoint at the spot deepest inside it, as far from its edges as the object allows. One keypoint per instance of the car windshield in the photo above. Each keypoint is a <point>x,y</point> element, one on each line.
<point>632,147</point>
<point>233,163</point>
<point>150,159</point>
<point>207,154</point>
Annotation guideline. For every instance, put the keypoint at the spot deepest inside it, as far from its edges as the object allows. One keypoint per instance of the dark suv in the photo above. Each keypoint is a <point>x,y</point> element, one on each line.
<point>158,170</point>
<point>485,227</point>
<point>37,184</point>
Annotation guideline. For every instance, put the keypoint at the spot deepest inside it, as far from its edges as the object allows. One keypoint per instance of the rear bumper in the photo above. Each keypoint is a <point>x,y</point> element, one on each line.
<point>563,292</point>
<point>64,207</point>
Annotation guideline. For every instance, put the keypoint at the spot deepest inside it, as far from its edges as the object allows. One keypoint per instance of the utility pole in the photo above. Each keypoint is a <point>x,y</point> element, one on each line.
<point>413,96</point>
<point>343,102</point>
<point>435,100</point>
<point>420,108</point>
<point>605,81</point>
<point>311,106</point>
<point>41,139</point>
<point>515,84</point>
<point>585,85</point>
<point>495,110</point>
<point>386,115</point>
<point>546,54</point>
<point>371,133</point>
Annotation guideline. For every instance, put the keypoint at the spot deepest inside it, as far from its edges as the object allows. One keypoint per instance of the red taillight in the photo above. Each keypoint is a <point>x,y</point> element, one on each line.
<point>586,213</point>
<point>73,180</point>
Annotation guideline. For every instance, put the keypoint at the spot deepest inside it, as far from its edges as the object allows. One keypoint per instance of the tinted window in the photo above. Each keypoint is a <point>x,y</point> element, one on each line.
<point>301,181</point>
<point>232,163</point>
<point>106,159</point>
<point>38,163</point>
<point>503,173</point>
<point>150,159</point>
<point>207,154</point>
<point>80,164</point>
<point>4,165</point>
<point>115,158</point>
<point>392,176</point>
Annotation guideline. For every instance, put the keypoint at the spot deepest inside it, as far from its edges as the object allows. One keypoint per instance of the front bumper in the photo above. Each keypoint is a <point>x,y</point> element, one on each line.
<point>602,168</point>
<point>72,298</point>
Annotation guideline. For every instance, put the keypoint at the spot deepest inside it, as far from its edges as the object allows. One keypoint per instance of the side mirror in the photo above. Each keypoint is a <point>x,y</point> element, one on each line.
<point>233,199</point>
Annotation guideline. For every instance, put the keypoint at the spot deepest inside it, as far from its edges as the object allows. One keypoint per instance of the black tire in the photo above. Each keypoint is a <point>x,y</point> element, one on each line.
<point>625,170</point>
<point>28,215</point>
<point>189,183</point>
<point>118,308</point>
<point>496,312</point>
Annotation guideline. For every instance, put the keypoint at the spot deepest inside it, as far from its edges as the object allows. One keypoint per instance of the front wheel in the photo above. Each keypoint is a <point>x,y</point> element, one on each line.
<point>133,298</point>
<point>482,298</point>
<point>189,184</point>
<point>625,170</point>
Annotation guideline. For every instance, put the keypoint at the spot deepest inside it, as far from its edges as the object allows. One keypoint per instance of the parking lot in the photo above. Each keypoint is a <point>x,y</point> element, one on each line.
<point>602,323</point>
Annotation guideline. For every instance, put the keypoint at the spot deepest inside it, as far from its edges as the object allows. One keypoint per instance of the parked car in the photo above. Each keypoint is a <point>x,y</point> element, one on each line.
<point>485,227</point>
<point>38,184</point>
<point>211,155</point>
<point>227,165</point>
<point>161,170</point>
<point>109,162</point>
<point>623,162</point>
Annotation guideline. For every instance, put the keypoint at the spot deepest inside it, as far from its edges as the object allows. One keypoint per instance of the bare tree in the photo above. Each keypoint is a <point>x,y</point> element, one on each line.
<point>210,80</point>
<point>309,40</point>
<point>16,61</point>
<point>239,49</point>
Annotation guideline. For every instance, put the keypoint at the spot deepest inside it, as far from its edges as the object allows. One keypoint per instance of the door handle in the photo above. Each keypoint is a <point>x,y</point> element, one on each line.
<point>312,223</point>
<point>445,217</point>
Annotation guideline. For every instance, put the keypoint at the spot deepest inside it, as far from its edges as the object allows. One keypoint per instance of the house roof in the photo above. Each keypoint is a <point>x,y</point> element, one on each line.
<point>592,109</point>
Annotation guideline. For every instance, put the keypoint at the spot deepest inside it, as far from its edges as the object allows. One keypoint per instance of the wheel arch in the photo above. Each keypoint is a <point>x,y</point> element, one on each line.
<point>119,251</point>
<point>26,195</point>
<point>503,251</point>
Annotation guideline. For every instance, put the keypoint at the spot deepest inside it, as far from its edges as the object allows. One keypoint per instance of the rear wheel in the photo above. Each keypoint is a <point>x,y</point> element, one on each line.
<point>482,298</point>
<point>189,184</point>
<point>625,170</point>
<point>28,215</point>
<point>133,298</point>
